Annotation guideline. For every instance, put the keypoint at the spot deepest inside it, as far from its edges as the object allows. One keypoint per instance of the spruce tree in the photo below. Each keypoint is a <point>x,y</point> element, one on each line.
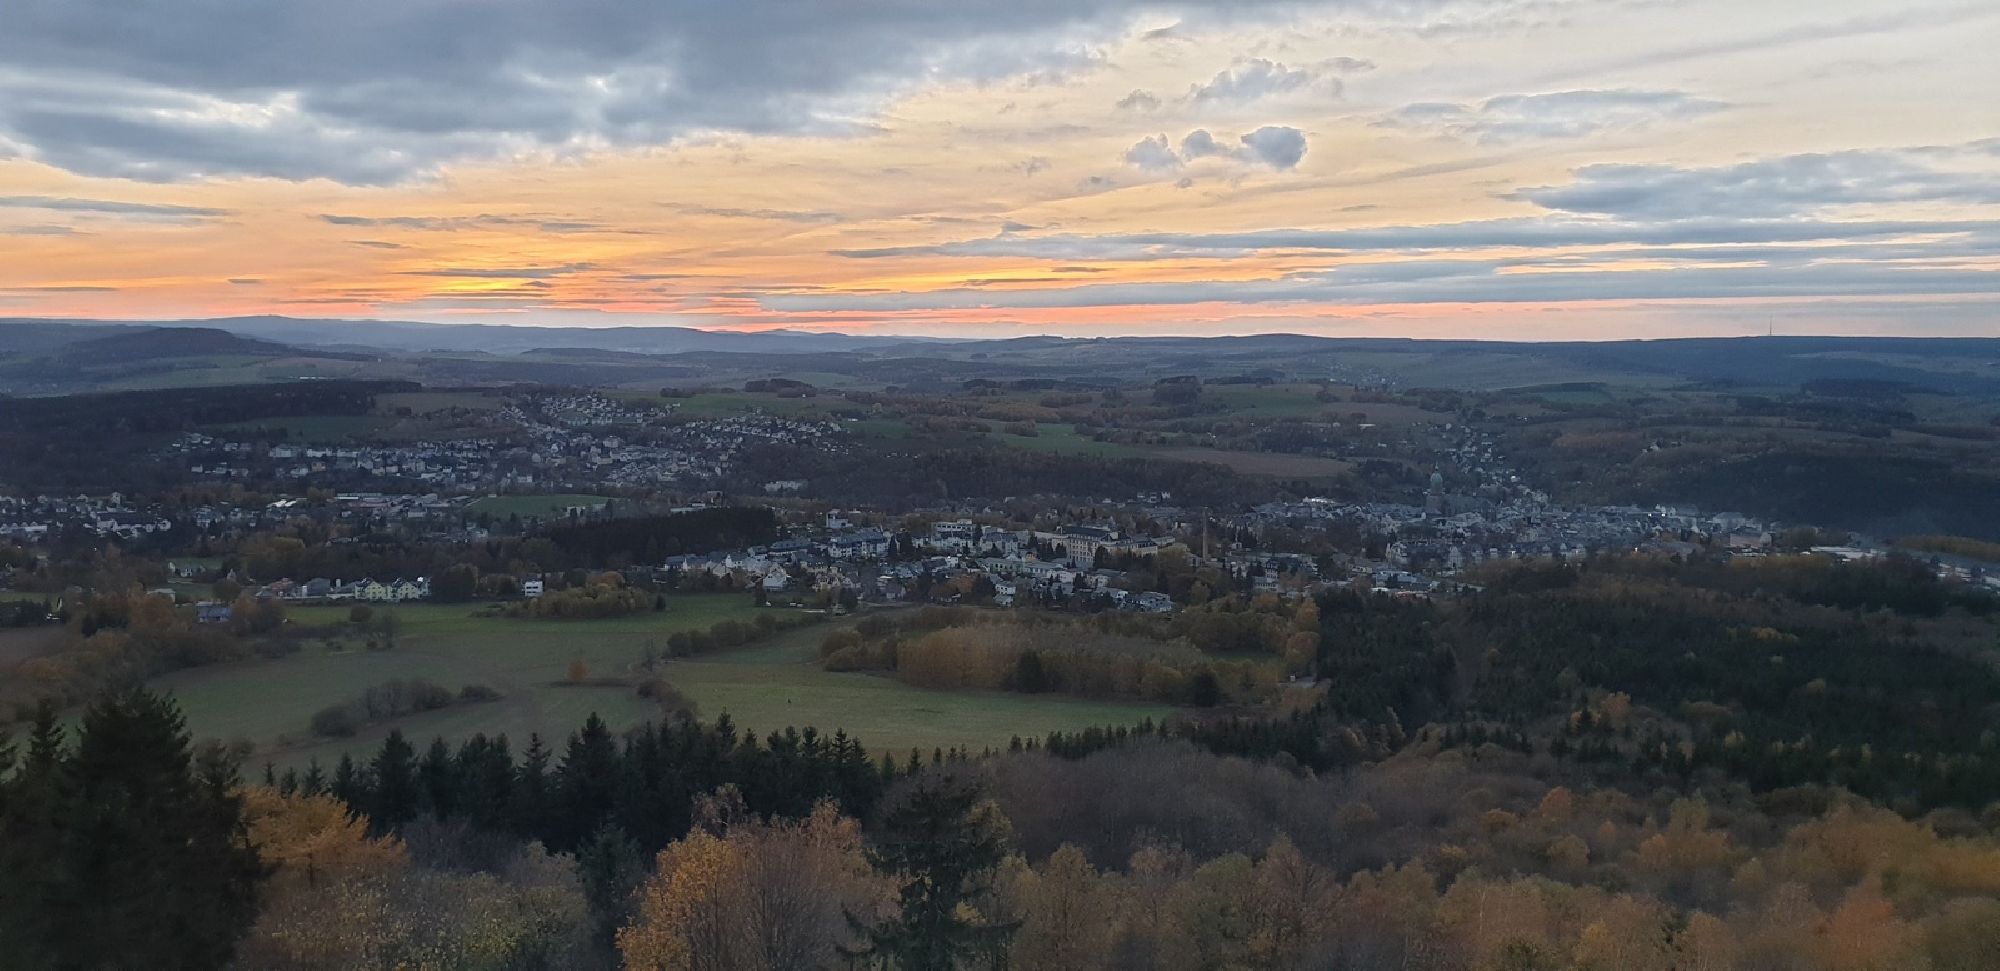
<point>942,844</point>
<point>396,792</point>
<point>129,851</point>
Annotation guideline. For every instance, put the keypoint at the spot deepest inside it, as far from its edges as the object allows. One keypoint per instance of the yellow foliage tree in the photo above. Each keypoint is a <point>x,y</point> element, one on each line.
<point>315,839</point>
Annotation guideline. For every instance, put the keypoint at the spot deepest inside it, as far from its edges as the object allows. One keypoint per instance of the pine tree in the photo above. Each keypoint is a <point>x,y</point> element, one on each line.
<point>942,845</point>
<point>396,793</point>
<point>611,868</point>
<point>586,783</point>
<point>529,804</point>
<point>130,851</point>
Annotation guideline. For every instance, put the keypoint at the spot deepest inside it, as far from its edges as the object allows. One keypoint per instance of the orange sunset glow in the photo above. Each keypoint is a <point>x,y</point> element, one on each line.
<point>1434,168</point>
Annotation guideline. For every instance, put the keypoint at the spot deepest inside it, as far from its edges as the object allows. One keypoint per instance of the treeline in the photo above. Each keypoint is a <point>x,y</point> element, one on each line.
<point>1778,673</point>
<point>686,846</point>
<point>651,539</point>
<point>1855,490</point>
<point>1775,675</point>
<point>643,784</point>
<point>110,640</point>
<point>1102,656</point>
<point>728,632</point>
<point>486,569</point>
<point>952,469</point>
<point>389,700</point>
<point>603,597</point>
<point>66,442</point>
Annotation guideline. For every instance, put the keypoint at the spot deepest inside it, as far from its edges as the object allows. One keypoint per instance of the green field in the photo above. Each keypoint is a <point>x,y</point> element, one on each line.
<point>766,686</point>
<point>549,505</point>
<point>425,402</point>
<point>310,428</point>
<point>1066,440</point>
<point>727,403</point>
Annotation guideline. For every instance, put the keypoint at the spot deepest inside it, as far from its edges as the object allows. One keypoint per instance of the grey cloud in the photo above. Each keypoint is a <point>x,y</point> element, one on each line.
<point>1277,146</point>
<point>1255,78</point>
<point>110,207</point>
<point>1524,232</point>
<point>781,215</point>
<point>245,281</point>
<point>1152,154</point>
<point>446,224</point>
<point>1554,115</point>
<point>1774,187</point>
<point>1200,144</point>
<point>45,230</point>
<point>1139,101</point>
<point>378,91</point>
<point>1274,145</point>
<point>1472,281</point>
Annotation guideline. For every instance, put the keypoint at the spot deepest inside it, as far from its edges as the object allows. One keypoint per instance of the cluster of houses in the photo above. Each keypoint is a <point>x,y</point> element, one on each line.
<point>562,442</point>
<point>587,410</point>
<point>1019,564</point>
<point>322,589</point>
<point>29,519</point>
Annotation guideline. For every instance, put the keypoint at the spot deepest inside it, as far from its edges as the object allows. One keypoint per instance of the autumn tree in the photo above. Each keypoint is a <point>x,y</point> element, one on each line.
<point>754,896</point>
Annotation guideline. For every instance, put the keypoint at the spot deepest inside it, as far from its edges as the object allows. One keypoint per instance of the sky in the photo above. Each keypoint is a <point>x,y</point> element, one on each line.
<point>1491,169</point>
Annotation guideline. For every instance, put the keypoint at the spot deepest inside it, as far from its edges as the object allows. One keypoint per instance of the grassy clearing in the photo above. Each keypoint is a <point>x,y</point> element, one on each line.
<point>1066,440</point>
<point>1266,401</point>
<point>1282,464</point>
<point>765,686</point>
<point>726,403</point>
<point>310,428</point>
<point>426,402</point>
<point>546,505</point>
<point>779,683</point>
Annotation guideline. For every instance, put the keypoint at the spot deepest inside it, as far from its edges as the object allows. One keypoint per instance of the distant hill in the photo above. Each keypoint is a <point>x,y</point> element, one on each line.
<point>169,342</point>
<point>42,355</point>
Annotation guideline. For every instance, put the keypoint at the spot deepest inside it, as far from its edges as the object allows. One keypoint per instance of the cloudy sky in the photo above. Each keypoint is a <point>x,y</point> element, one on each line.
<point>1520,169</point>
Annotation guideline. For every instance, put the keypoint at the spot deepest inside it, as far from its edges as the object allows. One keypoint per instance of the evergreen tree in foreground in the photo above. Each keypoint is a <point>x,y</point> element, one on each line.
<point>942,844</point>
<point>129,851</point>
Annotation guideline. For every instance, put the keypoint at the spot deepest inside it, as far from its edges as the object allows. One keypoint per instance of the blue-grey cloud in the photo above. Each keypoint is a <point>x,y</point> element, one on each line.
<point>1471,281</point>
<point>376,91</point>
<point>1139,101</point>
<point>1783,186</point>
<point>1526,232</point>
<point>111,207</point>
<point>779,215</point>
<point>1554,115</point>
<point>1277,146</point>
<point>1152,154</point>
<point>1254,78</point>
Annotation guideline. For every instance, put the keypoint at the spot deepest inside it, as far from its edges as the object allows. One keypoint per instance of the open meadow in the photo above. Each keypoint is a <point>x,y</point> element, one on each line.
<point>767,685</point>
<point>533,505</point>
